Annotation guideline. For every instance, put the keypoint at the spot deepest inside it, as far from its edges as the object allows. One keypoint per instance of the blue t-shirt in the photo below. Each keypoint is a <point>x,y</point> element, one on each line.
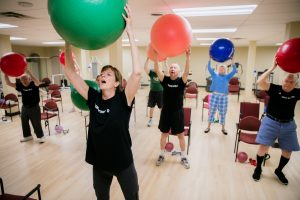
<point>220,82</point>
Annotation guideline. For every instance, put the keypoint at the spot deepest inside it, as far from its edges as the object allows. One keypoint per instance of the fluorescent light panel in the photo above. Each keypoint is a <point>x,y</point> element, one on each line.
<point>278,44</point>
<point>55,42</point>
<point>7,26</point>
<point>215,30</point>
<point>17,38</point>
<point>205,44</point>
<point>127,40</point>
<point>206,39</point>
<point>216,11</point>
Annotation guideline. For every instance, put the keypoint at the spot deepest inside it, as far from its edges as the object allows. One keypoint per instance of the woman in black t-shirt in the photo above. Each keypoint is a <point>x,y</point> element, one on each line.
<point>109,142</point>
<point>279,122</point>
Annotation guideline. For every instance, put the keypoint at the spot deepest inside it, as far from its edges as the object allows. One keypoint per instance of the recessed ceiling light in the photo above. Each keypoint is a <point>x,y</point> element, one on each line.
<point>54,43</point>
<point>127,40</point>
<point>215,30</point>
<point>278,44</point>
<point>25,4</point>
<point>216,11</point>
<point>17,38</point>
<point>7,26</point>
<point>125,45</point>
<point>205,44</point>
<point>206,39</point>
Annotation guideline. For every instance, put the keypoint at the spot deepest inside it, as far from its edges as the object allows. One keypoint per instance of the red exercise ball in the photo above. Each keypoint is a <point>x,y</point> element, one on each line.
<point>242,157</point>
<point>288,56</point>
<point>150,54</point>
<point>171,35</point>
<point>62,58</point>
<point>169,146</point>
<point>13,64</point>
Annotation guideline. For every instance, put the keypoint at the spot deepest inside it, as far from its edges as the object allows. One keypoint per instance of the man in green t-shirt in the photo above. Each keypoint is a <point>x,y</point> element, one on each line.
<point>155,93</point>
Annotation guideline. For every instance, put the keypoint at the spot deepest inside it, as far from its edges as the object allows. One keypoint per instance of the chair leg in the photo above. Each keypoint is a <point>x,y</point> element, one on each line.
<point>236,152</point>
<point>47,126</point>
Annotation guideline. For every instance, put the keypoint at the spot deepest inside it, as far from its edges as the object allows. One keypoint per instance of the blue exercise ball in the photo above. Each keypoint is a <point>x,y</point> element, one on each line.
<point>221,50</point>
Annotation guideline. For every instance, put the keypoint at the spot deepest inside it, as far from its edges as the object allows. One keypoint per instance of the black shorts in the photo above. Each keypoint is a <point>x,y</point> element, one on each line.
<point>171,120</point>
<point>155,98</point>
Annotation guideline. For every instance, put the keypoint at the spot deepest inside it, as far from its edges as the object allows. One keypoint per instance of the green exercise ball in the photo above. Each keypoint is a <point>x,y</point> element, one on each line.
<point>78,100</point>
<point>88,24</point>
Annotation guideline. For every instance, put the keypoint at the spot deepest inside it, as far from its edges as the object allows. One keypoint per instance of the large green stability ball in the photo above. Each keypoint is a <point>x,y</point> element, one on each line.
<point>88,24</point>
<point>78,100</point>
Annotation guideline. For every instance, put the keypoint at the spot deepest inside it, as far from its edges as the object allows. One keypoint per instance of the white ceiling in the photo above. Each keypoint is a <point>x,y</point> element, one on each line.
<point>266,24</point>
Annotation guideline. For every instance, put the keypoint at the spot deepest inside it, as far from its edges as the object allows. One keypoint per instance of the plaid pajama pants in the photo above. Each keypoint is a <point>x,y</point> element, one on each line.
<point>218,102</point>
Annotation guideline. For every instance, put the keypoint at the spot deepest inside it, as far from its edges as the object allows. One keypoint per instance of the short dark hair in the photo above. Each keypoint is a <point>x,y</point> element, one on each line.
<point>118,75</point>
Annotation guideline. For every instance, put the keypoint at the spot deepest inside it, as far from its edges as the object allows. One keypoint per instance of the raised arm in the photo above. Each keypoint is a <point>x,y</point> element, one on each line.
<point>70,72</point>
<point>187,66</point>
<point>233,71</point>
<point>262,80</point>
<point>157,70</point>
<point>210,69</point>
<point>8,82</point>
<point>33,78</point>
<point>133,82</point>
<point>146,66</point>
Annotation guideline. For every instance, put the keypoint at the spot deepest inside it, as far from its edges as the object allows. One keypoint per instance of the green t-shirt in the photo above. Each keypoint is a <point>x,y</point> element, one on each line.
<point>154,82</point>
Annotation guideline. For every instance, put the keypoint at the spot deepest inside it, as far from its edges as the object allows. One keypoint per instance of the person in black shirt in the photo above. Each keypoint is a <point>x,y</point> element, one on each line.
<point>30,110</point>
<point>109,143</point>
<point>171,116</point>
<point>279,122</point>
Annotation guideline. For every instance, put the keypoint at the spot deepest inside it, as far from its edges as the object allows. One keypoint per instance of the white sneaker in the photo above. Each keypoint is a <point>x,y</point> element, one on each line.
<point>41,140</point>
<point>150,123</point>
<point>25,139</point>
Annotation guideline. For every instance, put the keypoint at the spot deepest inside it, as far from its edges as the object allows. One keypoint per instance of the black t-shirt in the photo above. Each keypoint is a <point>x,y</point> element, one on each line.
<point>173,93</point>
<point>30,94</point>
<point>109,142</point>
<point>281,104</point>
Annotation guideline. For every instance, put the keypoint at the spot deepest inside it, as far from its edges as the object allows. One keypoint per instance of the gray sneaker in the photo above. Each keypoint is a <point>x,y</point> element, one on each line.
<point>41,140</point>
<point>150,123</point>
<point>25,139</point>
<point>185,163</point>
<point>160,160</point>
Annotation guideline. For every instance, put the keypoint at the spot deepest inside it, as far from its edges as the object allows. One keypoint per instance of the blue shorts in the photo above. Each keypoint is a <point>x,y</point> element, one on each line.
<point>270,130</point>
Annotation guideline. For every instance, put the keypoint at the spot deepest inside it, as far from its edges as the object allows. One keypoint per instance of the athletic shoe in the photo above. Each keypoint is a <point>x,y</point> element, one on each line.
<point>281,177</point>
<point>25,139</point>
<point>160,160</point>
<point>150,123</point>
<point>207,130</point>
<point>185,163</point>
<point>41,139</point>
<point>256,175</point>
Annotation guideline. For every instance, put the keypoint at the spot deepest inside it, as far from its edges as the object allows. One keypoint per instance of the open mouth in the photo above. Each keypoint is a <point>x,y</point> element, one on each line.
<point>103,81</point>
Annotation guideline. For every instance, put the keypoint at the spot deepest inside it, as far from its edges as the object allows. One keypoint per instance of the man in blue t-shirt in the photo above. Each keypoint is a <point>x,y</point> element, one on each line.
<point>279,122</point>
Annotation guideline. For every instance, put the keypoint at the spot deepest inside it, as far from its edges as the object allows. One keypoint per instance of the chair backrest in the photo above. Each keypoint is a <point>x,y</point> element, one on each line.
<point>206,99</point>
<point>51,106</point>
<point>53,87</point>
<point>234,81</point>
<point>187,116</point>
<point>261,94</point>
<point>192,84</point>
<point>11,97</point>
<point>191,90</point>
<point>249,123</point>
<point>46,81</point>
<point>56,94</point>
<point>249,109</point>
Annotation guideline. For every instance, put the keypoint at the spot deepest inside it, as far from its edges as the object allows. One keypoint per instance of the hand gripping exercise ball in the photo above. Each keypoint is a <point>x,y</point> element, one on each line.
<point>242,157</point>
<point>150,54</point>
<point>288,56</point>
<point>62,58</point>
<point>221,50</point>
<point>78,100</point>
<point>171,35</point>
<point>88,24</point>
<point>13,64</point>
<point>169,146</point>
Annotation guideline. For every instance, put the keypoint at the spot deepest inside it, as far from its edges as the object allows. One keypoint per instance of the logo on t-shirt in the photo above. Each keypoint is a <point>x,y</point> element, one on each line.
<point>172,86</point>
<point>287,97</point>
<point>101,111</point>
<point>27,90</point>
<point>156,79</point>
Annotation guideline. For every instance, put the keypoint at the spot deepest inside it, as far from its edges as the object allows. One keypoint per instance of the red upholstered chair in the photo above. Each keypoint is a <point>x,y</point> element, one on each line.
<point>192,84</point>
<point>246,132</point>
<point>187,125</point>
<point>191,92</point>
<point>56,96</point>
<point>6,196</point>
<point>13,101</point>
<point>205,104</point>
<point>50,110</point>
<point>234,86</point>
